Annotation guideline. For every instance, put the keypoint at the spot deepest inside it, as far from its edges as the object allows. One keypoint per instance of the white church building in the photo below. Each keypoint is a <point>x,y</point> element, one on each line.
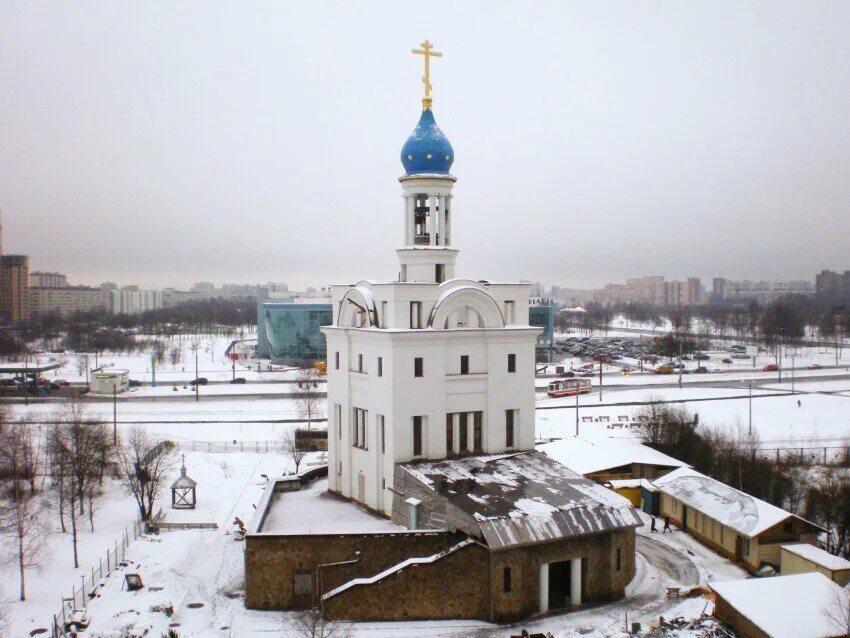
<point>430,365</point>
<point>431,423</point>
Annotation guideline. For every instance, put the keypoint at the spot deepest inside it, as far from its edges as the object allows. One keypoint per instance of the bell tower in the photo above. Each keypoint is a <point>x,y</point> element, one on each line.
<point>427,156</point>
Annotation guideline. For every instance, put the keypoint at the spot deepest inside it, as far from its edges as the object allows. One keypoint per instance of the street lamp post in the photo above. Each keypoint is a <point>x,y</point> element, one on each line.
<point>197,397</point>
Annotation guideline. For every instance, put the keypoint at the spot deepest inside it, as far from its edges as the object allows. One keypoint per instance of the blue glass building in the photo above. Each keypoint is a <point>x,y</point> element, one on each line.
<point>292,331</point>
<point>541,314</point>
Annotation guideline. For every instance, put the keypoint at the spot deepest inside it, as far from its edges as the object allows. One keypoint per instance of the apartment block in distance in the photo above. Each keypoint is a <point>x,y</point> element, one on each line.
<point>14,280</point>
<point>67,300</point>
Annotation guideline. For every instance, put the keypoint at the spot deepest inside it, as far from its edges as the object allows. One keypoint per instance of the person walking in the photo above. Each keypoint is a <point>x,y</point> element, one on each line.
<point>799,403</point>
<point>652,527</point>
<point>667,527</point>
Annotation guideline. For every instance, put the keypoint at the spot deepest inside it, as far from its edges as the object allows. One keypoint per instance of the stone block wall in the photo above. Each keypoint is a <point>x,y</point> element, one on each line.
<point>272,562</point>
<point>601,580</point>
<point>455,586</point>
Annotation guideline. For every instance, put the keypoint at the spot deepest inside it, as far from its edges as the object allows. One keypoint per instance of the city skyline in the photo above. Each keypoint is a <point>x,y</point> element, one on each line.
<point>697,140</point>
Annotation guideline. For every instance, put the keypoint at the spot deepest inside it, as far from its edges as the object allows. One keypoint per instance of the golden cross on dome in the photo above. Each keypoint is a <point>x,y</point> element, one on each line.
<point>428,52</point>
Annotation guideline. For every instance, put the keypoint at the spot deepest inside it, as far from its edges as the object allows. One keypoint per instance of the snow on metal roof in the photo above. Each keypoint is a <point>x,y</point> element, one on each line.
<point>525,498</point>
<point>795,606</point>
<point>586,457</point>
<point>745,514</point>
<point>818,556</point>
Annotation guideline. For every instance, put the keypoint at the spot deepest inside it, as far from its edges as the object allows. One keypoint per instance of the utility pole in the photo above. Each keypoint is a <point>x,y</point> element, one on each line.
<point>793,366</point>
<point>751,408</point>
<point>680,361</point>
<point>197,383</point>
<point>576,411</point>
<point>600,378</point>
<point>115,411</point>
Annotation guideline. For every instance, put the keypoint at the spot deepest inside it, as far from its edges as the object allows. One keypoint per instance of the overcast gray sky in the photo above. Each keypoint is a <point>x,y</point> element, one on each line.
<point>164,143</point>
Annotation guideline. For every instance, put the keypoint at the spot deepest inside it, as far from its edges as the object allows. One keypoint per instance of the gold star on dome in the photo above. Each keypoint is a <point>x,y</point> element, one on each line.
<point>410,157</point>
<point>429,156</point>
<point>447,158</point>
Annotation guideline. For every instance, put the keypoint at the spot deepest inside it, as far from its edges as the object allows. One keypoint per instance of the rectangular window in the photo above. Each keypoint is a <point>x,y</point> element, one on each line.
<point>338,419</point>
<point>302,583</point>
<point>415,314</point>
<point>509,428</point>
<point>383,433</point>
<point>511,363</point>
<point>450,433</point>
<point>380,366</point>
<point>506,579</point>
<point>509,312</point>
<point>477,418</point>
<point>417,436</point>
<point>384,322</point>
<point>440,274</point>
<point>619,559</point>
<point>745,546</point>
<point>464,364</point>
<point>417,367</point>
<point>464,434</point>
<point>359,427</point>
<point>359,363</point>
<point>336,360</point>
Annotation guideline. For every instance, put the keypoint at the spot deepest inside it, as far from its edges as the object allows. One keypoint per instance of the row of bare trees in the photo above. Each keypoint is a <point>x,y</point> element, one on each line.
<point>54,479</point>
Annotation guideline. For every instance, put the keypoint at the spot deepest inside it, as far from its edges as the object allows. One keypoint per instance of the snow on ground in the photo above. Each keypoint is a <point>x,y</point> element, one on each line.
<point>57,575</point>
<point>821,419</point>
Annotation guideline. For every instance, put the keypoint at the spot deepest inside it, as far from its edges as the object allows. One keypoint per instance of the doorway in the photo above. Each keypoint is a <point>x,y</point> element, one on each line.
<point>560,583</point>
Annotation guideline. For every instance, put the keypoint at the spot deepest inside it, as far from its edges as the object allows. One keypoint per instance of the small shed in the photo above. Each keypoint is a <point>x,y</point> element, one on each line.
<point>109,380</point>
<point>798,606</point>
<point>650,498</point>
<point>801,558</point>
<point>183,491</point>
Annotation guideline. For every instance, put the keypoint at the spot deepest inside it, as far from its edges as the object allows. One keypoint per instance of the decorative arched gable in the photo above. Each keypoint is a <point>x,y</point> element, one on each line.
<point>357,309</point>
<point>466,307</point>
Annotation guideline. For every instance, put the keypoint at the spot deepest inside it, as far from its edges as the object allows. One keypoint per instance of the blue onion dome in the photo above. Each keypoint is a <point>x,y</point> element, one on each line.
<point>427,150</point>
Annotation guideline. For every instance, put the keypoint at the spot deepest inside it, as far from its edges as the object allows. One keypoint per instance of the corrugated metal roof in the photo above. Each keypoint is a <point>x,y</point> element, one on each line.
<point>525,498</point>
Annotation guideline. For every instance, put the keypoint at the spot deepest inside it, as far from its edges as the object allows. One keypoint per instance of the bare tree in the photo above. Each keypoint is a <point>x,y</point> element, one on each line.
<point>290,447</point>
<point>143,466</point>
<point>307,399</point>
<point>310,624</point>
<point>837,611</point>
<point>77,451</point>
<point>22,524</point>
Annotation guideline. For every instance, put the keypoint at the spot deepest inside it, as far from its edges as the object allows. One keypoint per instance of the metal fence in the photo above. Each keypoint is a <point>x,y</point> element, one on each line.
<point>80,595</point>
<point>810,455</point>
<point>229,446</point>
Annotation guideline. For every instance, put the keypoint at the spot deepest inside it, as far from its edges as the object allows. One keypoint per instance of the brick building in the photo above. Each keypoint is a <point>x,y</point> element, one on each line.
<point>14,282</point>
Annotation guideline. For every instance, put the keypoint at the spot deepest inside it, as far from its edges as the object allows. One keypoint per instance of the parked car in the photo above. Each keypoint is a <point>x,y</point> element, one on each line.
<point>700,370</point>
<point>8,382</point>
<point>239,380</point>
<point>135,383</point>
<point>199,381</point>
<point>62,382</point>
<point>738,355</point>
<point>702,357</point>
<point>664,369</point>
<point>815,366</point>
<point>771,367</point>
<point>726,360</point>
